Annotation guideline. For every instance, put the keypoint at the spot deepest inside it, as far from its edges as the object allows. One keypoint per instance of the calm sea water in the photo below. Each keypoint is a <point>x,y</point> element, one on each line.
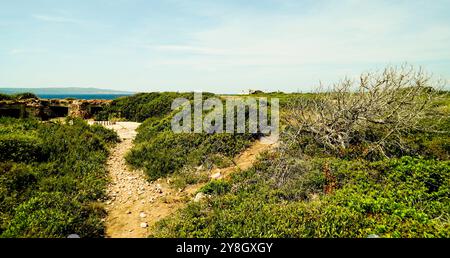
<point>81,96</point>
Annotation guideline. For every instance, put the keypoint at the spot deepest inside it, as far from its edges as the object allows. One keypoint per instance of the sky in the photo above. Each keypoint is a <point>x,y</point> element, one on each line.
<point>213,45</point>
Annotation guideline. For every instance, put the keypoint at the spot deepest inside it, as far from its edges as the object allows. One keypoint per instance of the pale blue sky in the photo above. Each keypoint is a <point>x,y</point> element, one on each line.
<point>219,46</point>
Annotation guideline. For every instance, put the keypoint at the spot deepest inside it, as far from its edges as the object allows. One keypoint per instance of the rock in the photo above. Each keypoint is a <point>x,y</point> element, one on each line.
<point>73,236</point>
<point>158,188</point>
<point>142,215</point>
<point>313,197</point>
<point>373,236</point>
<point>144,225</point>
<point>199,197</point>
<point>217,175</point>
<point>272,139</point>
<point>108,202</point>
<point>128,212</point>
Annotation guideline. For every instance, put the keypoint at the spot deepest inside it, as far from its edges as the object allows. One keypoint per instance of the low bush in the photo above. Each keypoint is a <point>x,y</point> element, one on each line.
<point>216,187</point>
<point>303,190</point>
<point>167,152</point>
<point>405,197</point>
<point>21,148</point>
<point>51,214</point>
<point>51,176</point>
<point>5,97</point>
<point>142,106</point>
<point>25,95</point>
<point>161,152</point>
<point>18,96</point>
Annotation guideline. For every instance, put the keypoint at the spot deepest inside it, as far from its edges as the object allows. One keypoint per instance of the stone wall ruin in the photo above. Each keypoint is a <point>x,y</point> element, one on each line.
<point>51,108</point>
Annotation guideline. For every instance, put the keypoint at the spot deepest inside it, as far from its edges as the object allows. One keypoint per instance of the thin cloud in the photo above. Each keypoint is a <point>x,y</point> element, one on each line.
<point>387,34</point>
<point>22,51</point>
<point>188,49</point>
<point>55,19</point>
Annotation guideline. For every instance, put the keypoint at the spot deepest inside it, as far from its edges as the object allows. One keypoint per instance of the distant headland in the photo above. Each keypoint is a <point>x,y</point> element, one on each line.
<point>69,92</point>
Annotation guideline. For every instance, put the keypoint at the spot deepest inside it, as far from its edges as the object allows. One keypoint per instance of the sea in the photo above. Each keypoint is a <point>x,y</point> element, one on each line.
<point>81,96</point>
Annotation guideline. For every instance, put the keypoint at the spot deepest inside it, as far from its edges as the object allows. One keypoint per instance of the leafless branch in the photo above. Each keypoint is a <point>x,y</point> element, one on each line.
<point>374,110</point>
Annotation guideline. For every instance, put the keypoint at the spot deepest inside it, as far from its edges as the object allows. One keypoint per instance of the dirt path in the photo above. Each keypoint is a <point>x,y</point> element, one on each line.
<point>135,204</point>
<point>132,200</point>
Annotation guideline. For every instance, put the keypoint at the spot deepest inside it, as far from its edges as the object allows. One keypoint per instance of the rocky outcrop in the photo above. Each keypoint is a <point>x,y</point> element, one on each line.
<point>51,108</point>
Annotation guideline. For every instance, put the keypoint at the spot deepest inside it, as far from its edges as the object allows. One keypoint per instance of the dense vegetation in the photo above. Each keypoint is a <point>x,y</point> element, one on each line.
<point>167,152</point>
<point>160,152</point>
<point>18,96</point>
<point>385,178</point>
<point>51,177</point>
<point>405,197</point>
<point>305,189</point>
<point>142,106</point>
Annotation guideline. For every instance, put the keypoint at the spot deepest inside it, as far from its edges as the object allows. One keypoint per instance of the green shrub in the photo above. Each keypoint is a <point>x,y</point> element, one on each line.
<point>142,106</point>
<point>168,152</point>
<point>405,197</point>
<point>20,148</point>
<point>25,95</point>
<point>18,96</point>
<point>5,97</point>
<point>216,187</point>
<point>160,152</point>
<point>50,215</point>
<point>51,178</point>
<point>187,176</point>
<point>303,190</point>
<point>16,177</point>
<point>106,135</point>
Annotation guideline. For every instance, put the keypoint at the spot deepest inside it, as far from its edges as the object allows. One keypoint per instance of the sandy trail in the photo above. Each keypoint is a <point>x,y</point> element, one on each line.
<point>135,204</point>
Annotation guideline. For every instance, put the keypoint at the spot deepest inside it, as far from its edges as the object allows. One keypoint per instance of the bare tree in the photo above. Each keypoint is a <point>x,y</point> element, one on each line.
<point>374,110</point>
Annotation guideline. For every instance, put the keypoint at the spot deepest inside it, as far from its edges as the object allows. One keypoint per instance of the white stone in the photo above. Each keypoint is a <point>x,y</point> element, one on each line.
<point>217,175</point>
<point>199,197</point>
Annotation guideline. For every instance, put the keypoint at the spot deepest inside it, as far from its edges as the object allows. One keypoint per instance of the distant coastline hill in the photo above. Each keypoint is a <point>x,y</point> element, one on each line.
<point>63,91</point>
